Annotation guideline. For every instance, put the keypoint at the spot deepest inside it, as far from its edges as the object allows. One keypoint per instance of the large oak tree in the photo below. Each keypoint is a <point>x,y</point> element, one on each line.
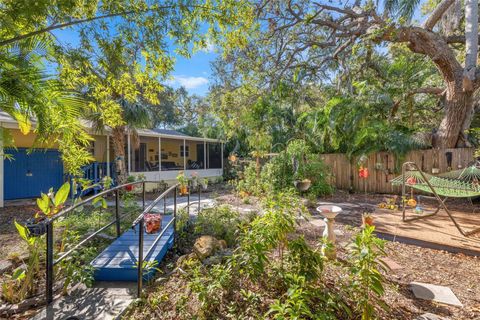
<point>315,37</point>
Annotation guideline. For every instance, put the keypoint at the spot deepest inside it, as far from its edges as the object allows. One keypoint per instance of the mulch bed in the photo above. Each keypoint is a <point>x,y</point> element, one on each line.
<point>459,272</point>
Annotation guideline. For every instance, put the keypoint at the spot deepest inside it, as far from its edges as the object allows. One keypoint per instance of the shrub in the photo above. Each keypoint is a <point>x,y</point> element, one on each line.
<point>297,162</point>
<point>222,222</point>
<point>367,281</point>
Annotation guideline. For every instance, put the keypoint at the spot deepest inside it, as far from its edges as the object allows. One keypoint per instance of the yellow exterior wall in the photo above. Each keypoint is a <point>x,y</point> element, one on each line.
<point>173,146</point>
<point>28,140</point>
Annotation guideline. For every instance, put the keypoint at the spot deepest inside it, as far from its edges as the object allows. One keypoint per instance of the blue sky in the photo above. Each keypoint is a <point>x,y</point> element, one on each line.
<point>193,74</point>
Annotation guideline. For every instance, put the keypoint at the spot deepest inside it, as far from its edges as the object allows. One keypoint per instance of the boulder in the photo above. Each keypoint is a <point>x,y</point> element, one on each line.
<point>222,244</point>
<point>181,260</point>
<point>205,246</point>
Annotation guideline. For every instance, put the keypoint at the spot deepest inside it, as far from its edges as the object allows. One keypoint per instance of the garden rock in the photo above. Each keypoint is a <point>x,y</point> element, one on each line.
<point>212,260</point>
<point>222,244</point>
<point>205,246</point>
<point>181,260</point>
<point>5,266</point>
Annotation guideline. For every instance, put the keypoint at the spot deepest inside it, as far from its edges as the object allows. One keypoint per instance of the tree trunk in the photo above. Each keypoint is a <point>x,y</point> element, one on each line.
<point>118,138</point>
<point>457,119</point>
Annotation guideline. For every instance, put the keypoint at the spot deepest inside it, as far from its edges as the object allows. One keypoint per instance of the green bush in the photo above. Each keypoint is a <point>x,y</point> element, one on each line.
<point>297,162</point>
<point>222,222</point>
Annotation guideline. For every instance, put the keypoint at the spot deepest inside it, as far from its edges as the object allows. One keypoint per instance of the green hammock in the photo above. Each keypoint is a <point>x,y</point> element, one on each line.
<point>462,183</point>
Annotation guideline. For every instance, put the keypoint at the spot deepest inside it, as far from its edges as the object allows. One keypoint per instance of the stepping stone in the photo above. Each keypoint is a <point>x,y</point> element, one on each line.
<point>430,316</point>
<point>436,293</point>
<point>392,265</point>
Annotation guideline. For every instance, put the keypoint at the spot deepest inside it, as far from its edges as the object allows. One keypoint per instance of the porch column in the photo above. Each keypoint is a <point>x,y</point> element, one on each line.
<point>108,155</point>
<point>2,176</point>
<point>159,154</point>
<point>129,156</point>
<point>221,153</point>
<point>184,157</point>
<point>205,154</point>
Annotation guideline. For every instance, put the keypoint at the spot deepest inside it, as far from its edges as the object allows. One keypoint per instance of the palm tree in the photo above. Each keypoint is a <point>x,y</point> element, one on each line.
<point>135,116</point>
<point>27,91</point>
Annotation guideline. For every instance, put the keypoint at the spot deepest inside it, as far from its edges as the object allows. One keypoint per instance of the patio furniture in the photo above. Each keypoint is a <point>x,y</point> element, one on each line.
<point>456,184</point>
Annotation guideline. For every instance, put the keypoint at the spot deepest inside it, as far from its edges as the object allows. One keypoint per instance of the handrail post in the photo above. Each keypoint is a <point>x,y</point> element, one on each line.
<point>188,199</point>
<point>49,266</point>
<point>143,195</point>
<point>175,215</point>
<point>140,258</point>
<point>165,205</point>
<point>117,214</point>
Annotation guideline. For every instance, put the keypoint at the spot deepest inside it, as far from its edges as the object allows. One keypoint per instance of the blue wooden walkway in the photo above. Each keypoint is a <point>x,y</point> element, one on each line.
<point>118,262</point>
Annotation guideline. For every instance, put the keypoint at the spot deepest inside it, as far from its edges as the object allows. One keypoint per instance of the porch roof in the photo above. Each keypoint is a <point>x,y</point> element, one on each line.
<point>9,122</point>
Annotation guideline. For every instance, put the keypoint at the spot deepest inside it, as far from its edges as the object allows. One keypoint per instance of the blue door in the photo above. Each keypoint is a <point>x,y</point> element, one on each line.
<point>30,173</point>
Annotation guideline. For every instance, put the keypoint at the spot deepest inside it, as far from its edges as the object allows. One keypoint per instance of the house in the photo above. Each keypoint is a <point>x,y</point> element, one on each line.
<point>160,156</point>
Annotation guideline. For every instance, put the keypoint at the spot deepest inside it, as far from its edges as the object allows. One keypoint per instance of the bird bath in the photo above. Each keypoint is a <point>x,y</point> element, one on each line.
<point>329,212</point>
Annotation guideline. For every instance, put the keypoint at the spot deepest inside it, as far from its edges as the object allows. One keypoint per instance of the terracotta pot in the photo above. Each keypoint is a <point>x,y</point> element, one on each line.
<point>183,190</point>
<point>367,221</point>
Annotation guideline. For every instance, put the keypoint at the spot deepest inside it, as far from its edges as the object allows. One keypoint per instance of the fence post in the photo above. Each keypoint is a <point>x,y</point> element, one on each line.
<point>49,266</point>
<point>117,214</point>
<point>140,258</point>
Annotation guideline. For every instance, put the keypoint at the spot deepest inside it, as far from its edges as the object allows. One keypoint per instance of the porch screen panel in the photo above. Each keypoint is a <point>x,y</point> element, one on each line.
<point>194,154</point>
<point>144,155</point>
<point>172,154</point>
<point>214,155</point>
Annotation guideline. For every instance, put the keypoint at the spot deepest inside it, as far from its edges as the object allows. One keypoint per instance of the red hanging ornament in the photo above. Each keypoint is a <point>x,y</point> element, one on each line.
<point>363,172</point>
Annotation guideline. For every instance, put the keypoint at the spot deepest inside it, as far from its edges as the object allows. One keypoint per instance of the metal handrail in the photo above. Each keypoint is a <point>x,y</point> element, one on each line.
<point>152,205</point>
<point>158,238</point>
<point>140,221</point>
<point>87,200</point>
<point>50,262</point>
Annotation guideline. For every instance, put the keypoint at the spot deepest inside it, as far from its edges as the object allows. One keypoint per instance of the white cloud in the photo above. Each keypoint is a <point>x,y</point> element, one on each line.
<point>210,47</point>
<point>189,82</point>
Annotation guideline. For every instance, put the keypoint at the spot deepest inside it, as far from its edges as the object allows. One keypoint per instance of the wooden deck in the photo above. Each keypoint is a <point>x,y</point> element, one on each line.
<point>118,262</point>
<point>437,232</point>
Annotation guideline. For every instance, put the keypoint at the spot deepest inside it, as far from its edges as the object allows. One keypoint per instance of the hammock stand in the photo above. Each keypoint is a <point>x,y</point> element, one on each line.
<point>449,185</point>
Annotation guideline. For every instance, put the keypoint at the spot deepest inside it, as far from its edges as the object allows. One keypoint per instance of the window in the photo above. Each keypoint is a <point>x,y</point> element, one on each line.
<point>187,151</point>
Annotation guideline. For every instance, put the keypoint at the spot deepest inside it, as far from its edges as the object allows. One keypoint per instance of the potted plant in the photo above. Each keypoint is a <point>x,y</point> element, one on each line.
<point>183,181</point>
<point>301,181</point>
<point>130,179</point>
<point>367,219</point>
<point>204,183</point>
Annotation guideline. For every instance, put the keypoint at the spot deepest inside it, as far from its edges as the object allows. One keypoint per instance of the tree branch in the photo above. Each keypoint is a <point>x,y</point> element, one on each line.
<point>76,22</point>
<point>437,14</point>
<point>426,90</point>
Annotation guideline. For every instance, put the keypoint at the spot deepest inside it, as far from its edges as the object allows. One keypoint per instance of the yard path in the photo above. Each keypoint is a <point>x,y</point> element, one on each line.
<point>106,300</point>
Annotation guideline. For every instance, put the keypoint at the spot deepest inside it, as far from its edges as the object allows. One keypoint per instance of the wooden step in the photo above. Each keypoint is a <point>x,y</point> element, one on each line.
<point>118,262</point>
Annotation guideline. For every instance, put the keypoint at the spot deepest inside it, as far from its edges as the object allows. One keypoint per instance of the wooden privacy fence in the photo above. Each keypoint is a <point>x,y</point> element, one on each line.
<point>382,167</point>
